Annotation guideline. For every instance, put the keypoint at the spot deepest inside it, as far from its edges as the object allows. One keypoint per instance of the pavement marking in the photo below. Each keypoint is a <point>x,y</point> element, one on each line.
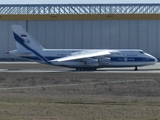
<point>78,84</point>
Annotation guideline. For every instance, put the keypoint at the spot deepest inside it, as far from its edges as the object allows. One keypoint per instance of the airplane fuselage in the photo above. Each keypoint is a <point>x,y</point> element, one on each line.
<point>81,59</point>
<point>117,58</point>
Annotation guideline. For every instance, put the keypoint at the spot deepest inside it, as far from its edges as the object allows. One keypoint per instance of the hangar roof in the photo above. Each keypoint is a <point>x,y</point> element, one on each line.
<point>29,9</point>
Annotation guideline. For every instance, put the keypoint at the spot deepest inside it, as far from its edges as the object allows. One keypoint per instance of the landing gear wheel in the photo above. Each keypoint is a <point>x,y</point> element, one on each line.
<point>86,69</point>
<point>94,69</point>
<point>135,68</point>
<point>78,69</point>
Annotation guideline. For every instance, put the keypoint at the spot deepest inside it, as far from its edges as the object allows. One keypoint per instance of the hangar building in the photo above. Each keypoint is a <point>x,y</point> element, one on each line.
<point>83,26</point>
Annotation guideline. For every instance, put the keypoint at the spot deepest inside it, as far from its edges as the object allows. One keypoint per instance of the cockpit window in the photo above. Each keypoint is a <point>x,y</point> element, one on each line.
<point>141,52</point>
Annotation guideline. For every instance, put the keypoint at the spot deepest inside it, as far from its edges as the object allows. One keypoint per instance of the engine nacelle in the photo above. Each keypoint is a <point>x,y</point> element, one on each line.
<point>105,60</point>
<point>92,62</point>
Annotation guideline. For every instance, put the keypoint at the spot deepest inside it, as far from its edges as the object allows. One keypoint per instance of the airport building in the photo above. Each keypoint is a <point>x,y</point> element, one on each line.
<point>83,26</point>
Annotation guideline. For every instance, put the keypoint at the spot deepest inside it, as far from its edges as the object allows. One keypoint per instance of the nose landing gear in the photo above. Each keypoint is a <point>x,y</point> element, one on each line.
<point>135,68</point>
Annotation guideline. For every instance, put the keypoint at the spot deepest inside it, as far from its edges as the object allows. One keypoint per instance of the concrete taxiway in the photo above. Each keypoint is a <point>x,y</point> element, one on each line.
<point>145,69</point>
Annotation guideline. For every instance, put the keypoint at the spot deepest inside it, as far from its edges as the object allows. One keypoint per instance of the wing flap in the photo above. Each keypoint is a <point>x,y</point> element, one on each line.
<point>82,55</point>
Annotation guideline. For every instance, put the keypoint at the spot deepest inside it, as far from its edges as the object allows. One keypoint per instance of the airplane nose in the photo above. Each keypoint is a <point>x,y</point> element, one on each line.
<point>154,59</point>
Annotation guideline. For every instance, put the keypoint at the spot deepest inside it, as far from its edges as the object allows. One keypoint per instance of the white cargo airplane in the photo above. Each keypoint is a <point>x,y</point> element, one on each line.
<point>80,59</point>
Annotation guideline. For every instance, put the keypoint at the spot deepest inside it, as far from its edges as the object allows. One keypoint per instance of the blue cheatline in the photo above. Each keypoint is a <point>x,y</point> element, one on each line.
<point>113,59</point>
<point>22,42</point>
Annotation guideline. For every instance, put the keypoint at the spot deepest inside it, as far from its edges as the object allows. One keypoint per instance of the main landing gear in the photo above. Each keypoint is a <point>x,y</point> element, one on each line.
<point>135,68</point>
<point>86,69</point>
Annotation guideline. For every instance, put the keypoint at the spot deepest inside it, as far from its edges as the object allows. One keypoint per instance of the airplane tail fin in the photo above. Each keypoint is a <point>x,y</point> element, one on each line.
<point>26,44</point>
<point>24,41</point>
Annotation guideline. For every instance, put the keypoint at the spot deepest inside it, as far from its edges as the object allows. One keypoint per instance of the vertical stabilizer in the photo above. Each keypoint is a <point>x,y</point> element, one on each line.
<point>24,41</point>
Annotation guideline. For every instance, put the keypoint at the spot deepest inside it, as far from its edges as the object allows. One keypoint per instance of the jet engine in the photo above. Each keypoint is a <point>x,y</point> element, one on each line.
<point>105,60</point>
<point>92,62</point>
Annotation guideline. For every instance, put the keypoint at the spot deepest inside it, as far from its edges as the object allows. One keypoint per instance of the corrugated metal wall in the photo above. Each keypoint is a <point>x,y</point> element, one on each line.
<point>87,34</point>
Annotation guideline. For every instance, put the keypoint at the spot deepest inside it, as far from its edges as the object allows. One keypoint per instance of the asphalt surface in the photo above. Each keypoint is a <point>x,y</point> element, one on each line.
<point>11,67</point>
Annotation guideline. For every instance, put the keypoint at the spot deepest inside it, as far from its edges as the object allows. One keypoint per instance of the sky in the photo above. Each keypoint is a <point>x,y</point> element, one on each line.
<point>75,1</point>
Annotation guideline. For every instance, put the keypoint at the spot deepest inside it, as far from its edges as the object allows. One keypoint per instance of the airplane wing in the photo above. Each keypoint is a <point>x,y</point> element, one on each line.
<point>82,55</point>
